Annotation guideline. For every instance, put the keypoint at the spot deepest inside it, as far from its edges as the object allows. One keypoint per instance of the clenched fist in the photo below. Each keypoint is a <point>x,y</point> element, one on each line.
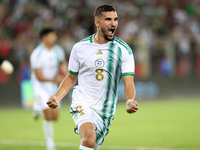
<point>52,102</point>
<point>131,106</point>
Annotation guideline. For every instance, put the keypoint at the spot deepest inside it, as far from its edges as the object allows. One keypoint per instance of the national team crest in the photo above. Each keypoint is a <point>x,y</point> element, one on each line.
<point>99,63</point>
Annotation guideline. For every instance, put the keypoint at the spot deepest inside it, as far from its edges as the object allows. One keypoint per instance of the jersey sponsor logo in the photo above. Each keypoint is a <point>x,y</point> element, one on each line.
<point>99,63</point>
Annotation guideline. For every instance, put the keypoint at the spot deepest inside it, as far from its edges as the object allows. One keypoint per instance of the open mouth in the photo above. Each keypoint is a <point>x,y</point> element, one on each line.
<point>111,31</point>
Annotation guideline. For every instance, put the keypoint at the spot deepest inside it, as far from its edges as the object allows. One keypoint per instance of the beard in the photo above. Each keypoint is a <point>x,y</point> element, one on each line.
<point>105,36</point>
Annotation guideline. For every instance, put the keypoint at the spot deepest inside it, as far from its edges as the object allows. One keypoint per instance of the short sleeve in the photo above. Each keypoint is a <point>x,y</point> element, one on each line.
<point>73,67</point>
<point>35,61</point>
<point>128,64</point>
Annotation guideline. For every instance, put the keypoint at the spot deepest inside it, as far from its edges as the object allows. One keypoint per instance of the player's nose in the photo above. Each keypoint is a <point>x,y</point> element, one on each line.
<point>114,22</point>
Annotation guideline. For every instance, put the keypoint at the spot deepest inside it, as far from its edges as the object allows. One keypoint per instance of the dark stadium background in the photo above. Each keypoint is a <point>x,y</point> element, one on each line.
<point>164,37</point>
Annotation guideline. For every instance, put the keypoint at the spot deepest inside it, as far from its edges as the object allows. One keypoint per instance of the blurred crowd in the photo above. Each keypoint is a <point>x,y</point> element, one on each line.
<point>164,35</point>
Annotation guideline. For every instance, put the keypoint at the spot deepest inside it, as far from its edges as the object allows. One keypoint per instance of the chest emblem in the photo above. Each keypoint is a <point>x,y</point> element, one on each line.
<point>99,63</point>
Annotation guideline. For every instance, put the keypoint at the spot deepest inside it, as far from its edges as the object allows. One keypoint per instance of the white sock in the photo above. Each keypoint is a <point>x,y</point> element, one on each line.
<point>85,148</point>
<point>48,133</point>
<point>97,146</point>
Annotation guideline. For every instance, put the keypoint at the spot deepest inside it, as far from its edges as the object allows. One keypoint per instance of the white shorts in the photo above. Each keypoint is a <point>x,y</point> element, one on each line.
<point>82,113</point>
<point>40,102</point>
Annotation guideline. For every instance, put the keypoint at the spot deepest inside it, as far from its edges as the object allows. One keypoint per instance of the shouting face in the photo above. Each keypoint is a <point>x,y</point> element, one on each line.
<point>107,25</point>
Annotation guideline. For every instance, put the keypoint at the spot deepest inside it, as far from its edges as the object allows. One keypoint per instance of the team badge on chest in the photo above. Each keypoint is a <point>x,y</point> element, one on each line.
<point>99,63</point>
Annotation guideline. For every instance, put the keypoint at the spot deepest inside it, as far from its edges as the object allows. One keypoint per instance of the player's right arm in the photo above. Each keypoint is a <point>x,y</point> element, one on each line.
<point>41,78</point>
<point>64,88</point>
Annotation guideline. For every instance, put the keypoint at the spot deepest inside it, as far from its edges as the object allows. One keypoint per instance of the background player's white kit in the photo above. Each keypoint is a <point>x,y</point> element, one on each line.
<point>48,62</point>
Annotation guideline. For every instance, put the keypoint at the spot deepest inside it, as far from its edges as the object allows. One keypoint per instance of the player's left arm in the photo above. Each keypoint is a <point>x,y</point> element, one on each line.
<point>130,92</point>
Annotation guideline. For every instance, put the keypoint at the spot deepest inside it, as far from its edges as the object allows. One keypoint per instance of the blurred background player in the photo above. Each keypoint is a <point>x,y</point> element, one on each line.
<point>98,62</point>
<point>47,60</point>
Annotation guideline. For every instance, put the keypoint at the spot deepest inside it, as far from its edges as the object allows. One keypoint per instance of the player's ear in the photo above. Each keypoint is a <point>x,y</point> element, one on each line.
<point>96,21</point>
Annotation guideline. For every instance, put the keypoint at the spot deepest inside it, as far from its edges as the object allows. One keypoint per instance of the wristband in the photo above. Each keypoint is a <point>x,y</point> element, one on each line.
<point>129,101</point>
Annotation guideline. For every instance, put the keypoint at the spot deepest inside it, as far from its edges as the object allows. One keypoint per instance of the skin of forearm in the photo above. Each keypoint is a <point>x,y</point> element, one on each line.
<point>129,91</point>
<point>65,86</point>
<point>129,87</point>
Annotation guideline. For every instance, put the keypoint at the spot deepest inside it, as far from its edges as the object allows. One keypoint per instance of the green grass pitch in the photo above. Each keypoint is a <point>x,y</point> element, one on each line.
<point>158,125</point>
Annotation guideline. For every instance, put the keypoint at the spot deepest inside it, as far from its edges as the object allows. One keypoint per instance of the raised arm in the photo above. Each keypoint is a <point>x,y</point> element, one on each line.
<point>129,92</point>
<point>64,88</point>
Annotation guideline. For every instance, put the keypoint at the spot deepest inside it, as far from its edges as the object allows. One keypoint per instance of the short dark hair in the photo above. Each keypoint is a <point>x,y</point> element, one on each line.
<point>103,8</point>
<point>46,31</point>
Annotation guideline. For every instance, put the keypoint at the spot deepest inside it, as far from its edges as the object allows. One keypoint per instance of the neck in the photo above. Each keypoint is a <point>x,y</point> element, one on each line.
<point>99,39</point>
<point>48,46</point>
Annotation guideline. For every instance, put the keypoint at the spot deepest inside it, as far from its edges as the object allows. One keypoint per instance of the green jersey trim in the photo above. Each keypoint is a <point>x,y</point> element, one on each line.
<point>117,79</point>
<point>124,45</point>
<point>89,38</point>
<point>110,68</point>
<point>71,72</point>
<point>128,73</point>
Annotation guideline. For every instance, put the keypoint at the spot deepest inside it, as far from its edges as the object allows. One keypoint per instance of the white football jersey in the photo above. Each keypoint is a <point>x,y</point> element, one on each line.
<point>100,68</point>
<point>48,61</point>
